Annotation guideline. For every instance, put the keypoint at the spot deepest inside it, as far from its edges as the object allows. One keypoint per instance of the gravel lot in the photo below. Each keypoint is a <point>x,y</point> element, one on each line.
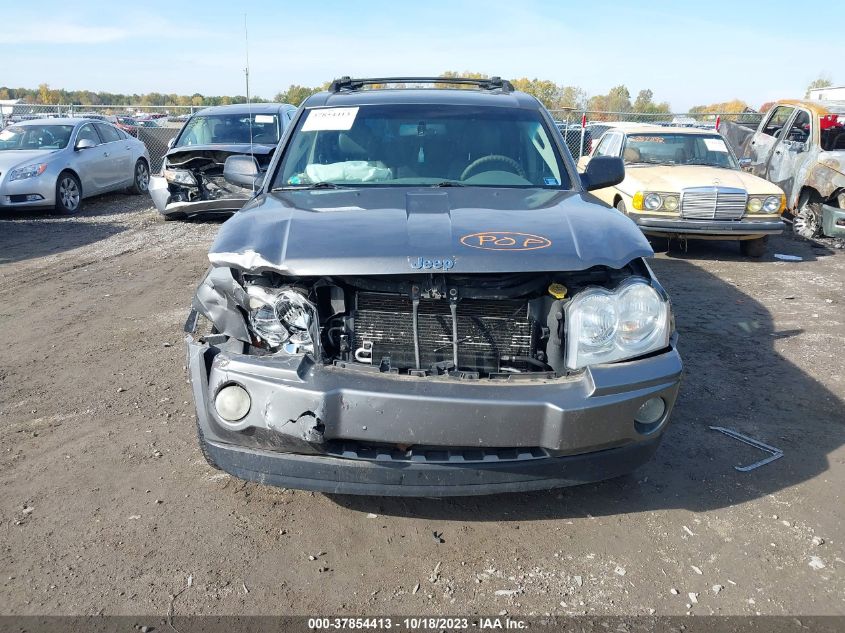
<point>106,505</point>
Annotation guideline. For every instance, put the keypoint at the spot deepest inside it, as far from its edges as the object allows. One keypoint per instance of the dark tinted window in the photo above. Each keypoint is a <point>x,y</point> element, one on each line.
<point>87,131</point>
<point>107,132</point>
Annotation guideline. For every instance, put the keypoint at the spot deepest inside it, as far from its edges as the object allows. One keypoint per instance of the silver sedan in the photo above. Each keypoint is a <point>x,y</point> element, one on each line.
<point>58,162</point>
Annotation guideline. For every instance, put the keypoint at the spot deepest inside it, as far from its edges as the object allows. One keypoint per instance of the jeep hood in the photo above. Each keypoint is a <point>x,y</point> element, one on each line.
<point>385,231</point>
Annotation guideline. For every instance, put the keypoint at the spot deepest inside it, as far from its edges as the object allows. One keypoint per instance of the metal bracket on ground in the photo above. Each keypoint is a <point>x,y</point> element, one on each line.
<point>775,453</point>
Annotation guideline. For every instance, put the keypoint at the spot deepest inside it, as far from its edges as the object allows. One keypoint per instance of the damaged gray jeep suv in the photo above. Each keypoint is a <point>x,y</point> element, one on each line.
<point>424,300</point>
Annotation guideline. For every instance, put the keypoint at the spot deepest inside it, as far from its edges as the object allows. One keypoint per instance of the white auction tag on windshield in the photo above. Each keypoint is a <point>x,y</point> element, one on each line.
<point>716,145</point>
<point>330,119</point>
<point>264,118</point>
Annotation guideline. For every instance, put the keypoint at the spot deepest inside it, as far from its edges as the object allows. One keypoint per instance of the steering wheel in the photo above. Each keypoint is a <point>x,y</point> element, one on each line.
<point>46,138</point>
<point>493,158</point>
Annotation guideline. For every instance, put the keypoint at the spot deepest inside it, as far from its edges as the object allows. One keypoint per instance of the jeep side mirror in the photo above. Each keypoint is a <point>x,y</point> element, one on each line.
<point>603,171</point>
<point>84,143</point>
<point>242,171</point>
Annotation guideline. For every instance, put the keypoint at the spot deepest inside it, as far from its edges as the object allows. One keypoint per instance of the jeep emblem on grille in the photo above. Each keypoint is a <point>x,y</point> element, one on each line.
<point>505,241</point>
<point>421,263</point>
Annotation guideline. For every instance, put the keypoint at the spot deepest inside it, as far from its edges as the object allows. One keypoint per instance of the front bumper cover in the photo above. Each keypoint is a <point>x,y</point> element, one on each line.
<point>833,221</point>
<point>729,229</point>
<point>164,203</point>
<point>562,431</point>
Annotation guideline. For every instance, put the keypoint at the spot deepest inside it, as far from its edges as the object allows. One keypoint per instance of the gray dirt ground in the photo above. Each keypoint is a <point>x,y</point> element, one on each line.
<point>106,505</point>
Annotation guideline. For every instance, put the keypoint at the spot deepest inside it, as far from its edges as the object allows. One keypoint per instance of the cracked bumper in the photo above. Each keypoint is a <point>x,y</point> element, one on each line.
<point>556,432</point>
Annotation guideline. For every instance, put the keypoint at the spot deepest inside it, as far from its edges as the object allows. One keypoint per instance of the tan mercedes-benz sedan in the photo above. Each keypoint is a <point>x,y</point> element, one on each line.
<point>686,183</point>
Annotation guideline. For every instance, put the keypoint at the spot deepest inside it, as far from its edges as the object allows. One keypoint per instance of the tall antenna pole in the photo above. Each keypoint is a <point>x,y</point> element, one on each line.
<point>246,70</point>
<point>248,102</point>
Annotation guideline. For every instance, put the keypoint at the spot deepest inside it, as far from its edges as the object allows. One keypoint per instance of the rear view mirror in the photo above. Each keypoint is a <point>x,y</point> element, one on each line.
<point>242,171</point>
<point>171,143</point>
<point>603,171</point>
<point>745,163</point>
<point>85,143</point>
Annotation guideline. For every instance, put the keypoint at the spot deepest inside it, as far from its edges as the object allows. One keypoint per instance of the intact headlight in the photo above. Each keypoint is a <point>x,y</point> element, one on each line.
<point>604,326</point>
<point>283,317</point>
<point>670,203</point>
<point>653,201</point>
<point>772,204</point>
<point>29,171</point>
<point>754,205</point>
<point>180,177</point>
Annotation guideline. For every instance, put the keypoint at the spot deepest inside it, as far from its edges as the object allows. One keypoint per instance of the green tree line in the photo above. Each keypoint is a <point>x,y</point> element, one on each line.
<point>554,96</point>
<point>46,95</point>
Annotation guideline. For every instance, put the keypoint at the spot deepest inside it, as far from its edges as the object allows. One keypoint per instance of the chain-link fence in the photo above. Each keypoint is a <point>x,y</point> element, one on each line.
<point>581,130</point>
<point>153,125</point>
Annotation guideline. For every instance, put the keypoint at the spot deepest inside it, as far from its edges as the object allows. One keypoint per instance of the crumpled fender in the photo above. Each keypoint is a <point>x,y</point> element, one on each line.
<point>218,298</point>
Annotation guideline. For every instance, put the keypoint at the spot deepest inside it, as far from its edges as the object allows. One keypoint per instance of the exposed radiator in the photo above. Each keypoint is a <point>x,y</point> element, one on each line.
<point>487,330</point>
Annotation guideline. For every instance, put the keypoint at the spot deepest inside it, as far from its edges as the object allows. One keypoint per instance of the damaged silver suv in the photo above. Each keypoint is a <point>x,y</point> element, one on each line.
<point>424,300</point>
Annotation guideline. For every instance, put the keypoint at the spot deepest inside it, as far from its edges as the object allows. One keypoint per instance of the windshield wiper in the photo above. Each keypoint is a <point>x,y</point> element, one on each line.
<point>702,163</point>
<point>316,185</point>
<point>449,183</point>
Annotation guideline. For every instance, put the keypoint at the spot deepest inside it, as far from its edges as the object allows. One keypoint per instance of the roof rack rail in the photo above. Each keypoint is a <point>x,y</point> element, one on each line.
<point>347,83</point>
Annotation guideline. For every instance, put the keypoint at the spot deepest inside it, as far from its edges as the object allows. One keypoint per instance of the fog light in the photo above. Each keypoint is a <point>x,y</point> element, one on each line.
<point>232,403</point>
<point>651,411</point>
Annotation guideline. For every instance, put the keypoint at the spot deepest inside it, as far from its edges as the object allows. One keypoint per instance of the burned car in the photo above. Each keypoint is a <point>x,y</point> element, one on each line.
<point>424,300</point>
<point>800,146</point>
<point>191,180</point>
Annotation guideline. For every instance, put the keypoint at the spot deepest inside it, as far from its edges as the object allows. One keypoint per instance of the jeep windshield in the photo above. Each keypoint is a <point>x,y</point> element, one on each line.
<point>230,129</point>
<point>678,149</point>
<point>421,145</point>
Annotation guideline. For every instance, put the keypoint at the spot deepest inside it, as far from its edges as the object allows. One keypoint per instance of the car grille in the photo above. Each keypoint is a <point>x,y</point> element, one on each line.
<point>713,203</point>
<point>487,330</point>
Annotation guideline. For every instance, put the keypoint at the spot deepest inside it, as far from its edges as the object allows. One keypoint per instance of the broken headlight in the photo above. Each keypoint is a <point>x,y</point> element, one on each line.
<point>604,326</point>
<point>283,318</point>
<point>180,177</point>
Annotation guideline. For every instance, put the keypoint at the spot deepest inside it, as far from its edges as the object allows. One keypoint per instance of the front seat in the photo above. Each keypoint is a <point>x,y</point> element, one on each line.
<point>680,156</point>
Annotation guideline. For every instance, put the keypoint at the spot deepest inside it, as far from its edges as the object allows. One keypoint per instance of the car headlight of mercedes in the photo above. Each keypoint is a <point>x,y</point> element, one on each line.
<point>180,177</point>
<point>29,171</point>
<point>655,201</point>
<point>283,318</point>
<point>766,204</point>
<point>603,326</point>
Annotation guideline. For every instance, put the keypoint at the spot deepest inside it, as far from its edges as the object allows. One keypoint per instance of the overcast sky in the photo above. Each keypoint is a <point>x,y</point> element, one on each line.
<point>687,53</point>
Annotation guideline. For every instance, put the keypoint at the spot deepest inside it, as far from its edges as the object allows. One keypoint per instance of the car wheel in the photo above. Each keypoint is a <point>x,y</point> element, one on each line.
<point>68,194</point>
<point>141,182</point>
<point>807,222</point>
<point>754,248</point>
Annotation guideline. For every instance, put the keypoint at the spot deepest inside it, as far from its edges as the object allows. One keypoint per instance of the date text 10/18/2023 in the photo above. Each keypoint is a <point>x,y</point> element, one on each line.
<point>413,624</point>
